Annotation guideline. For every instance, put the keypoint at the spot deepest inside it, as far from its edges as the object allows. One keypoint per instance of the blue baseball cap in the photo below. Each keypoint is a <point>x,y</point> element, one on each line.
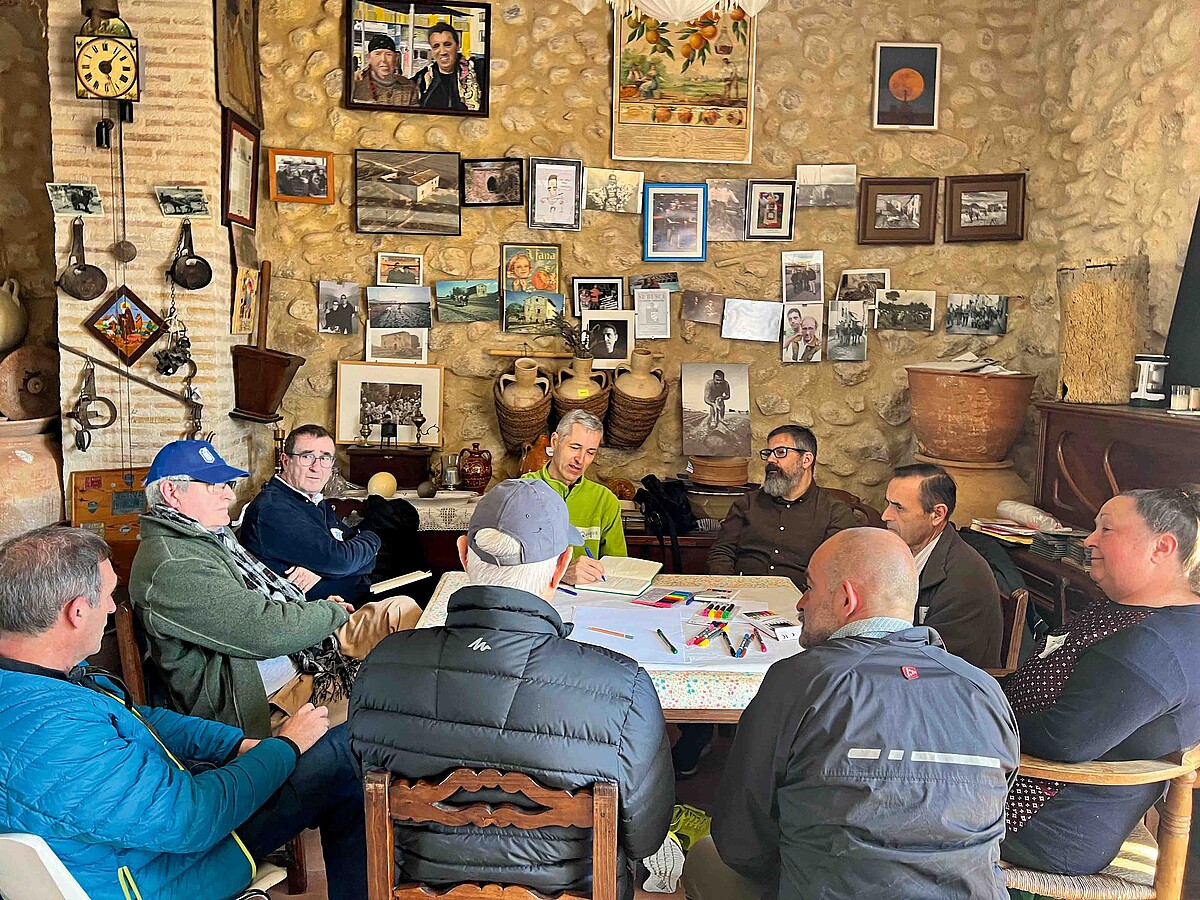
<point>529,511</point>
<point>198,460</point>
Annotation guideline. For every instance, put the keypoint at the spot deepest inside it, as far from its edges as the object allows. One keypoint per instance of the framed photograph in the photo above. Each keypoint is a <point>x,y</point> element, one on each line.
<point>470,300</point>
<point>897,210</point>
<point>652,313</point>
<point>406,192</point>
<point>337,307</point>
<point>555,193</point>
<point>610,336</point>
<point>243,251</point>
<point>985,207</point>
<point>239,169</point>
<point>613,190</point>
<point>530,267</point>
<point>593,294</point>
<point>532,312</point>
<point>125,325</point>
<point>75,199</point>
<point>751,320</point>
<point>235,31</point>
<point>683,91</point>
<point>977,314</point>
<point>703,306</point>
<point>244,310</point>
<point>675,221</point>
<point>847,330</point>
<point>399,345</point>
<point>826,185</point>
<point>803,276</point>
<point>770,209</point>
<point>904,310</point>
<point>716,409</point>
<point>493,182</point>
<point>374,393</point>
<point>803,332</point>
<point>182,201</point>
<point>426,58</point>
<point>668,281</point>
<point>399,268</point>
<point>908,86</point>
<point>299,176</point>
<point>726,209</point>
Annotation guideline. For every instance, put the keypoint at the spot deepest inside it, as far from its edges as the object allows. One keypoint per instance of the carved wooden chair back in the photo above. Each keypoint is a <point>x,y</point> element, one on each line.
<point>1014,607</point>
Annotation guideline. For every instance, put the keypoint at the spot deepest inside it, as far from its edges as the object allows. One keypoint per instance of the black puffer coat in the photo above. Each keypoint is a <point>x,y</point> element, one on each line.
<point>500,686</point>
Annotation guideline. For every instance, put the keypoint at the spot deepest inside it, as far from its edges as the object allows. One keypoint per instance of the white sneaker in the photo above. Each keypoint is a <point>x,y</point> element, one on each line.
<point>665,867</point>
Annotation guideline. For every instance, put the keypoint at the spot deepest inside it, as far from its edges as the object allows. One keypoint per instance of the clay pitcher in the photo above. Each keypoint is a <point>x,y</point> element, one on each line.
<point>475,468</point>
<point>535,455</point>
<point>525,388</point>
<point>14,321</point>
<point>640,380</point>
<point>579,381</point>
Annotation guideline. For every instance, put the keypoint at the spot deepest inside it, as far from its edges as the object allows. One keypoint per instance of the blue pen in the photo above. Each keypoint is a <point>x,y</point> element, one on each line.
<point>588,551</point>
<point>568,591</point>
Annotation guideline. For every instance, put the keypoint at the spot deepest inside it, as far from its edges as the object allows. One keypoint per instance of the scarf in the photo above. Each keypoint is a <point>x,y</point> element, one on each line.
<point>332,671</point>
<point>469,92</point>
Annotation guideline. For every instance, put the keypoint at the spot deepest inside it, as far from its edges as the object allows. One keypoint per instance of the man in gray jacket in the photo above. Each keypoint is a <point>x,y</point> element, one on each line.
<point>500,686</point>
<point>875,764</point>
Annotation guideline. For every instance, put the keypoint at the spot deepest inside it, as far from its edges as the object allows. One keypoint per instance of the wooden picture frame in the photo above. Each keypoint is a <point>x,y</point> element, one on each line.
<point>352,400</point>
<point>674,222</point>
<point>240,151</point>
<point>897,210</point>
<point>126,325</point>
<point>300,176</point>
<point>407,192</point>
<point>499,181</point>
<point>985,208</point>
<point>235,31</point>
<point>904,99</point>
<point>770,209</point>
<point>410,85</point>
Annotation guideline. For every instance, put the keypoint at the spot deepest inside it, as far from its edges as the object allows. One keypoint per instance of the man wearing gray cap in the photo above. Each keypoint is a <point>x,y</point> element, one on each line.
<point>500,686</point>
<point>381,81</point>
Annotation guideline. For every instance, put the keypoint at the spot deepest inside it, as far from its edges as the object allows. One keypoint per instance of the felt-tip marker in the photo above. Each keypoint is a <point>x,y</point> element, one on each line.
<point>762,647</point>
<point>741,650</point>
<point>588,551</point>
<point>566,590</point>
<point>666,640</point>
<point>728,645</point>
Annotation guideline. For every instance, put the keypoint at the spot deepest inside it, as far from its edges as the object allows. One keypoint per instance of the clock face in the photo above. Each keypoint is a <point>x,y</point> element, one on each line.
<point>106,68</point>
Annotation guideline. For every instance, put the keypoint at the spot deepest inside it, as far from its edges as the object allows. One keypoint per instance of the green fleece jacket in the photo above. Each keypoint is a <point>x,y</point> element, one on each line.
<point>208,631</point>
<point>594,510</point>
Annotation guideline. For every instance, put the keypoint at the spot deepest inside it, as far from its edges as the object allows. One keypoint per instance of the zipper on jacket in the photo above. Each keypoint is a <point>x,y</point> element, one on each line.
<point>125,878</point>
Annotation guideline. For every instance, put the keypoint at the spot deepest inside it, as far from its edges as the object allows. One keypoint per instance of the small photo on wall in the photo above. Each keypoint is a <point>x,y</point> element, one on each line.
<point>803,332</point>
<point>770,210</point>
<point>398,345</point>
<point>399,268</point>
<point>555,193</point>
<point>977,314</point>
<point>826,185</point>
<point>592,294</point>
<point>532,312</point>
<point>613,190</point>
<point>337,307</point>
<point>862,284</point>
<point>751,320</point>
<point>609,336</point>
<point>493,182</point>
<point>667,281</point>
<point>245,301</point>
<point>905,310</point>
<point>473,300</point>
<point>399,306</point>
<point>726,209</point>
<point>847,339</point>
<point>907,86</point>
<point>652,310</point>
<point>703,306</point>
<point>299,176</point>
<point>182,201</point>
<point>716,409</point>
<point>804,276</point>
<point>675,222</point>
<point>75,199</point>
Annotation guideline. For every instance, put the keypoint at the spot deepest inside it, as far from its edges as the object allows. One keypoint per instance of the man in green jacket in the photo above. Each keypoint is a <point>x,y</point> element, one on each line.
<point>594,509</point>
<point>232,638</point>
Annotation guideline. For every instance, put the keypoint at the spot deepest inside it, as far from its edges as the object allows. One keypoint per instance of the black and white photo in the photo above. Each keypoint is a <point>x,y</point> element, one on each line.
<point>372,393</point>
<point>897,211</point>
<point>826,185</point>
<point>337,307</point>
<point>985,207</point>
<point>182,201</point>
<point>847,335</point>
<point>726,209</point>
<point>609,336</point>
<point>716,409</point>
<point>751,320</point>
<point>862,284</point>
<point>592,294</point>
<point>75,199</point>
<point>613,190</point>
<point>299,176</point>
<point>977,314</point>
<point>982,208</point>
<point>703,306</point>
<point>388,404</point>
<point>904,310</point>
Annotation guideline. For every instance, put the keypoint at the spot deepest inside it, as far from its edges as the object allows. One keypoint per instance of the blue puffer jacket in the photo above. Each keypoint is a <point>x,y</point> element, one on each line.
<point>82,770</point>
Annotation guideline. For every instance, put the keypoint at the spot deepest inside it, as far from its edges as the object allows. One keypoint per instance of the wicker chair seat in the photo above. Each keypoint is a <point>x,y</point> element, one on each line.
<point>1128,877</point>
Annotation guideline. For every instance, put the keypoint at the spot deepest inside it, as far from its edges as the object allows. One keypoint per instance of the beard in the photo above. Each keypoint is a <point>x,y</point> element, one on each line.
<point>776,484</point>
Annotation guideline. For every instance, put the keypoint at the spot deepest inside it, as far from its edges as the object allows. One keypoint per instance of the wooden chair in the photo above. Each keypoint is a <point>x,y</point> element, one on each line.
<point>132,672</point>
<point>1146,868</point>
<point>391,800</point>
<point>866,515</point>
<point>1014,607</point>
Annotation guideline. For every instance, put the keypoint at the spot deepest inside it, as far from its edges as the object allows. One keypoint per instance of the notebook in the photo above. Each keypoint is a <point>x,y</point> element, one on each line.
<point>625,575</point>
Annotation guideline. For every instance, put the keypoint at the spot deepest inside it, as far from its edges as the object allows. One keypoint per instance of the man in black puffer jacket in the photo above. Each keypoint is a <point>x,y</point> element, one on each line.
<point>500,686</point>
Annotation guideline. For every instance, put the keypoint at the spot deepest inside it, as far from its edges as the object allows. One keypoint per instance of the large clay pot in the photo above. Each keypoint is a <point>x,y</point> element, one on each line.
<point>967,416</point>
<point>579,382</point>
<point>525,388</point>
<point>14,321</point>
<point>981,486</point>
<point>475,468</point>
<point>31,459</point>
<point>640,380</point>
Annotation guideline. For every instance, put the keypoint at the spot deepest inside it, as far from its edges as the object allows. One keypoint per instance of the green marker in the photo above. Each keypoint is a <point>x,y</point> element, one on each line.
<point>666,640</point>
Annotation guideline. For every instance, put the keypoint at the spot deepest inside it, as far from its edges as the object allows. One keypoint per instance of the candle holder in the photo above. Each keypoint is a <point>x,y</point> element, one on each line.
<point>387,434</point>
<point>418,424</point>
<point>364,431</point>
<point>279,439</point>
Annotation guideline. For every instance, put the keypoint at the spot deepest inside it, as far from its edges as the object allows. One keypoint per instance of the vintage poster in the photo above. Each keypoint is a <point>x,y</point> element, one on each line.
<point>529,267</point>
<point>683,91</point>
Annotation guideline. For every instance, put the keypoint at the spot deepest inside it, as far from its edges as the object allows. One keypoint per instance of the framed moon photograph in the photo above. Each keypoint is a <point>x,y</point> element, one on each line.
<point>907,86</point>
<point>675,222</point>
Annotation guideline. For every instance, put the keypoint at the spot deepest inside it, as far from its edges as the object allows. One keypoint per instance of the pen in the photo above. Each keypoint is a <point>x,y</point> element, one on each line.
<point>741,650</point>
<point>588,551</point>
<point>666,640</point>
<point>761,646</point>
<point>568,591</point>
<point>725,636</point>
<point>613,633</point>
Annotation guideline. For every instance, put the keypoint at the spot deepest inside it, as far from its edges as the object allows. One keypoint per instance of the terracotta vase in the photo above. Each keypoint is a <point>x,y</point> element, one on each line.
<point>13,319</point>
<point>640,378</point>
<point>475,468</point>
<point>579,381</point>
<point>968,416</point>
<point>32,458</point>
<point>535,455</point>
<point>525,388</point>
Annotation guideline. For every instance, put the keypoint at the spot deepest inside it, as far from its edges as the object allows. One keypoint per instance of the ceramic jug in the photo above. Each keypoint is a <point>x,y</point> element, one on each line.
<point>579,381</point>
<point>640,379</point>
<point>475,468</point>
<point>14,321</point>
<point>525,388</point>
<point>535,455</point>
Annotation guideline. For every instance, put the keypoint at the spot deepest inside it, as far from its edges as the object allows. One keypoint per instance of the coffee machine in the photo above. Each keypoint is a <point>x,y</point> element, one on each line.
<point>1151,378</point>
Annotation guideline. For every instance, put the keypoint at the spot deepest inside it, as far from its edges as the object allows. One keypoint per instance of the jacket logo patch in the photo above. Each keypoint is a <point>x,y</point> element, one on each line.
<point>480,644</point>
<point>909,672</point>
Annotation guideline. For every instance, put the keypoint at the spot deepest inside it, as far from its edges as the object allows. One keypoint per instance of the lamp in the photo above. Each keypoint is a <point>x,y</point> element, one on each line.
<point>673,10</point>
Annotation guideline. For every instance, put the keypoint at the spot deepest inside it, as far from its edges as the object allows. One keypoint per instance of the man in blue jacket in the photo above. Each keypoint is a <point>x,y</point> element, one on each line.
<point>141,802</point>
<point>294,531</point>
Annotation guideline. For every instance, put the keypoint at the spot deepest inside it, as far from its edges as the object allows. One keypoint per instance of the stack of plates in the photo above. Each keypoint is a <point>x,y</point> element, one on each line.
<point>1050,546</point>
<point>1079,554</point>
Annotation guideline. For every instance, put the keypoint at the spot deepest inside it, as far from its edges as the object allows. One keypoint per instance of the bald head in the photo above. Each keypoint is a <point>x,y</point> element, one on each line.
<point>856,574</point>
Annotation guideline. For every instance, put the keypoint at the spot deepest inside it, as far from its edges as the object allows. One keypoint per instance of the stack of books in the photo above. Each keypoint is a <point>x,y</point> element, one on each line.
<point>1004,530</point>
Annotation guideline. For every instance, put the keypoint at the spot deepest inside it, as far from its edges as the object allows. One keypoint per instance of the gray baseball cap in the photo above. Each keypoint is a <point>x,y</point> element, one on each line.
<point>530,512</point>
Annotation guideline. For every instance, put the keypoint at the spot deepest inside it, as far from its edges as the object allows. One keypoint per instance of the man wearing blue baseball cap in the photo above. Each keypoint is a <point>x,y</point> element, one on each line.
<point>232,639</point>
<point>500,686</point>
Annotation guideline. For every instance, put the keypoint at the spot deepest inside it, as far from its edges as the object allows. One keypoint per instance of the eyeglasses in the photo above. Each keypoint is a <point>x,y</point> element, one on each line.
<point>220,486</point>
<point>780,452</point>
<point>325,459</point>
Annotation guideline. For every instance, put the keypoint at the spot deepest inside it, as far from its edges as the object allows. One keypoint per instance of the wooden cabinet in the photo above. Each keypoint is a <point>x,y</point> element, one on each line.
<point>693,551</point>
<point>410,465</point>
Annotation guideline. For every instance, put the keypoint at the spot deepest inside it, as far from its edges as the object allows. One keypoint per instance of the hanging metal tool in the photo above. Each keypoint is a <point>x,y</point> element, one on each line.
<point>87,420</point>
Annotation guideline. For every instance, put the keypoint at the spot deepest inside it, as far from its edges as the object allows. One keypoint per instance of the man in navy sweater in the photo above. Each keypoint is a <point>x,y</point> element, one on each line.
<point>295,532</point>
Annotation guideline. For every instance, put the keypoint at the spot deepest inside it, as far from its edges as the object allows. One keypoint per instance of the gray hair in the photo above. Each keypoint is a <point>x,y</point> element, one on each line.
<point>42,571</point>
<point>1175,512</point>
<point>531,577</point>
<point>154,494</point>
<point>581,417</point>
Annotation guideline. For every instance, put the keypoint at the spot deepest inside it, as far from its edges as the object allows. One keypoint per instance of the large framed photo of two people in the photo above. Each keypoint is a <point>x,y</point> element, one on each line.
<point>418,57</point>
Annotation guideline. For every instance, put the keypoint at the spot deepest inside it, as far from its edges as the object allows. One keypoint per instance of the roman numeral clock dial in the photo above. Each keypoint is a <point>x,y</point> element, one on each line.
<point>106,67</point>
